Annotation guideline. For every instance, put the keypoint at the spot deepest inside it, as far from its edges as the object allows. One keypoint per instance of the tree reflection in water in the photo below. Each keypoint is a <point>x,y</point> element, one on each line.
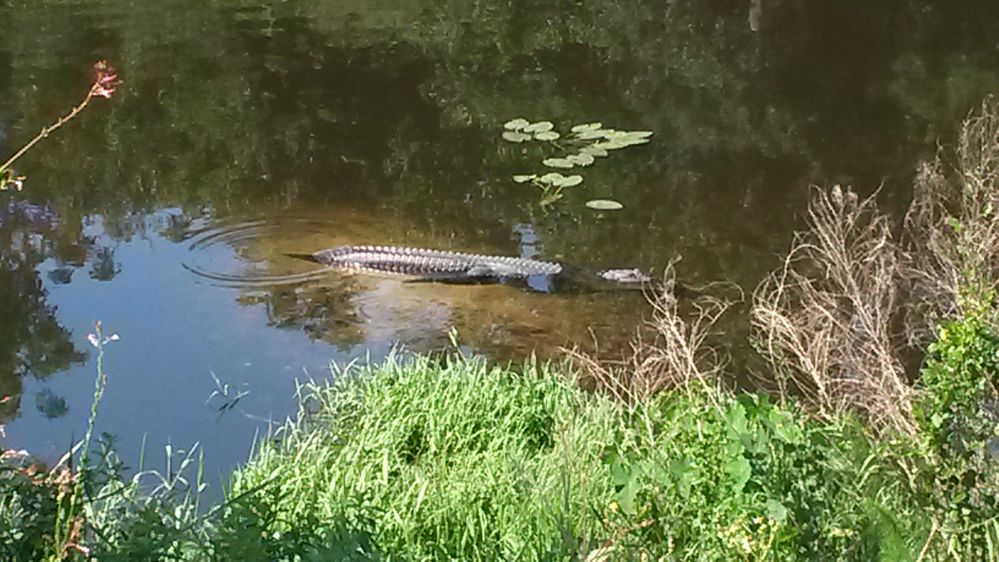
<point>32,342</point>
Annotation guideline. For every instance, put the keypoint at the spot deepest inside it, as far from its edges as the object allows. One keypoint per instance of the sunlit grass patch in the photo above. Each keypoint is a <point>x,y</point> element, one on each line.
<point>454,459</point>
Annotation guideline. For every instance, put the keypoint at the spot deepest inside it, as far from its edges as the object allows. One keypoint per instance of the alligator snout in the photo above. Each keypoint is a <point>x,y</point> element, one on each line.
<point>632,275</point>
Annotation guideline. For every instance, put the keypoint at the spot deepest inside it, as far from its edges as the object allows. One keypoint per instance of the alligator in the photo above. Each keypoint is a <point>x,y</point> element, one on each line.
<point>418,264</point>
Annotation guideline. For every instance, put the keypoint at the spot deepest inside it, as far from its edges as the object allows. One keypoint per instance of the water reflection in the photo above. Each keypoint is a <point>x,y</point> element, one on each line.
<point>33,343</point>
<point>49,404</point>
<point>103,266</point>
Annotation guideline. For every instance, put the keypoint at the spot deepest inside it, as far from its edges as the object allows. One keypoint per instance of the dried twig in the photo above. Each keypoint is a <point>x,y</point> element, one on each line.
<point>674,356</point>
<point>951,233</point>
<point>823,320</point>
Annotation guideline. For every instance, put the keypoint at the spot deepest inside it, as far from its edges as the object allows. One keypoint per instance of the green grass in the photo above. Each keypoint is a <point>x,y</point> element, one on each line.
<point>451,458</point>
<point>457,460</point>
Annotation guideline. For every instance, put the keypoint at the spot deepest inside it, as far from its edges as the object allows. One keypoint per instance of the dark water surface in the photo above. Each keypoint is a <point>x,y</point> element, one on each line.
<point>246,130</point>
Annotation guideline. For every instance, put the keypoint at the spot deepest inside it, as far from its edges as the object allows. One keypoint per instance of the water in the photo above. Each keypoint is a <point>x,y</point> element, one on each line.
<point>248,130</point>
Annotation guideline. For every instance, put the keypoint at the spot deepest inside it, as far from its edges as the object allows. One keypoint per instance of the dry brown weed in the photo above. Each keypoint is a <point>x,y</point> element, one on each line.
<point>669,352</point>
<point>950,232</point>
<point>823,320</point>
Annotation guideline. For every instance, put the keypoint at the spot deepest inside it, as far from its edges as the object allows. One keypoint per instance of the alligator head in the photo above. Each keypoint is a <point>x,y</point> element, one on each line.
<point>625,276</point>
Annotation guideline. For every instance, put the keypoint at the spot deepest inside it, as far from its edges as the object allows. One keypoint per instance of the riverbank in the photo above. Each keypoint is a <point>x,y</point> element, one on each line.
<point>453,458</point>
<point>456,459</point>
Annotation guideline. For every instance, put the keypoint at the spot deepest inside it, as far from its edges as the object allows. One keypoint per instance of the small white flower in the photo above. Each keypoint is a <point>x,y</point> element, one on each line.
<point>92,338</point>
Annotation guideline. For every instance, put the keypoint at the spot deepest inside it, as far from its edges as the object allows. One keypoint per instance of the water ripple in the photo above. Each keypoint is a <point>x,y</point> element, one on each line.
<point>246,253</point>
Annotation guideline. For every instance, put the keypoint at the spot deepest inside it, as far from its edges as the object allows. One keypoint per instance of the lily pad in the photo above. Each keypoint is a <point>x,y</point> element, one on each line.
<point>581,159</point>
<point>539,127</point>
<point>547,135</point>
<point>610,145</point>
<point>620,142</point>
<point>516,124</point>
<point>514,136</point>
<point>593,150</point>
<point>551,178</point>
<point>604,205</point>
<point>590,134</point>
<point>586,127</point>
<point>621,139</point>
<point>524,178</point>
<point>557,162</point>
<point>556,179</point>
<point>632,139</point>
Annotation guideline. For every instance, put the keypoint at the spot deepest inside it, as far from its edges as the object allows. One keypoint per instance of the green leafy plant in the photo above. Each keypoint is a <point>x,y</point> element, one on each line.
<point>44,509</point>
<point>958,413</point>
<point>579,148</point>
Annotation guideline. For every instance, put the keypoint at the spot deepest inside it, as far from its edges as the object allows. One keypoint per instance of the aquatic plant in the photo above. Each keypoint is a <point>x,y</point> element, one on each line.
<point>230,397</point>
<point>579,148</point>
<point>604,204</point>
<point>105,82</point>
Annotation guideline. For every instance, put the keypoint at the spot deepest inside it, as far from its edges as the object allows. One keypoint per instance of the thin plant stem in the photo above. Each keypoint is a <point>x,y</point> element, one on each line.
<point>66,517</point>
<point>46,131</point>
<point>100,382</point>
<point>105,82</point>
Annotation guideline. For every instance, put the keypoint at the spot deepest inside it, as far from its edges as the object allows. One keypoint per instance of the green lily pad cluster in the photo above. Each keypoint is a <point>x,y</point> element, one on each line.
<point>520,130</point>
<point>579,148</point>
